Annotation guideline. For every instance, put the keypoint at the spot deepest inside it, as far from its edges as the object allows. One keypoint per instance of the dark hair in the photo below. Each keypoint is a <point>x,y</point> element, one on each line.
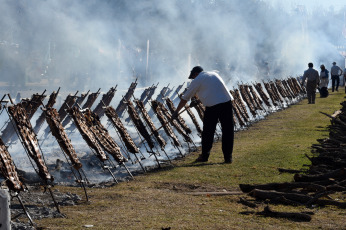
<point>311,65</point>
<point>322,67</point>
<point>196,69</point>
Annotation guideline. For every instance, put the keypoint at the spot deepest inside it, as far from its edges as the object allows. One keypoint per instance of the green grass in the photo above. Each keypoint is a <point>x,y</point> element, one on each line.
<point>159,199</point>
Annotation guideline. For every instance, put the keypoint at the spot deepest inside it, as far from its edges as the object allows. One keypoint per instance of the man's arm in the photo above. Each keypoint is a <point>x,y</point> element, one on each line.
<point>181,104</point>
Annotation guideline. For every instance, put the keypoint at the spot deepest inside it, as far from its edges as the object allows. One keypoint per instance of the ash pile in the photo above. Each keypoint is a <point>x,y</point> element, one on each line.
<point>79,142</point>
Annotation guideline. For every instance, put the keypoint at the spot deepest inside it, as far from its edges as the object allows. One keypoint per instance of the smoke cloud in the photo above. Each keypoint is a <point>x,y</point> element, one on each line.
<point>89,44</point>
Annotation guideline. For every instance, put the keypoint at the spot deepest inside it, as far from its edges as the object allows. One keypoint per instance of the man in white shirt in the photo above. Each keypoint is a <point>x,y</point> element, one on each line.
<point>335,72</point>
<point>215,96</point>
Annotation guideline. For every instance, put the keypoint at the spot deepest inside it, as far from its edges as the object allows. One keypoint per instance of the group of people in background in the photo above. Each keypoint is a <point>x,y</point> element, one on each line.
<point>320,81</point>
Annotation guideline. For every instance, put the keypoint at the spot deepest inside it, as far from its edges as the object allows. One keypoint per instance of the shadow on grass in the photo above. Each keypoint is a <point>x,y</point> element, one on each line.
<point>193,164</point>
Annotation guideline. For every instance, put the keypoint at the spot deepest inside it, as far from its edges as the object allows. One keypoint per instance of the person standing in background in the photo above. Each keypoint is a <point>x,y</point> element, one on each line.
<point>313,79</point>
<point>324,81</point>
<point>335,72</point>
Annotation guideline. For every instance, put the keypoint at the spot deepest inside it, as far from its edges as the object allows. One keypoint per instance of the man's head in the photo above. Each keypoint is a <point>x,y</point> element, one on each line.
<point>310,65</point>
<point>334,63</point>
<point>195,71</point>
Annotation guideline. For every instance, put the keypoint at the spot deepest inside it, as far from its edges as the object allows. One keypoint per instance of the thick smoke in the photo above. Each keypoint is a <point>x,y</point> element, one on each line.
<point>89,44</point>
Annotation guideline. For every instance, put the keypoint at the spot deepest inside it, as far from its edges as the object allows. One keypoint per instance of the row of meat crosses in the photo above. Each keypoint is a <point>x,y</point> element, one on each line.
<point>251,102</point>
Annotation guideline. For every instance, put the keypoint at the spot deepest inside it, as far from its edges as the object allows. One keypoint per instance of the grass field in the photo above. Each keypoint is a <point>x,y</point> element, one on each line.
<point>163,199</point>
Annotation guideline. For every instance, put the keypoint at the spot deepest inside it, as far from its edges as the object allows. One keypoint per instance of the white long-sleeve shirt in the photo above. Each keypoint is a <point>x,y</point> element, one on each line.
<point>210,88</point>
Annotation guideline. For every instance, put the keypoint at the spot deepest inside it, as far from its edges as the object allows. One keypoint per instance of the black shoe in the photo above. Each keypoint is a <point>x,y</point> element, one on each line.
<point>201,158</point>
<point>228,162</point>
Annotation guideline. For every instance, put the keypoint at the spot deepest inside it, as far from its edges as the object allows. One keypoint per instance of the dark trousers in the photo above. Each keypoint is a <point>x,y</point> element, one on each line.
<point>335,79</point>
<point>224,113</point>
<point>311,91</point>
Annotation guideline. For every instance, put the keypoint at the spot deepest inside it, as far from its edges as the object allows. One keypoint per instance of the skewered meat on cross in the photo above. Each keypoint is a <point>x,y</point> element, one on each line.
<point>164,122</point>
<point>271,93</point>
<point>150,94</point>
<point>275,91</point>
<point>262,94</point>
<point>79,101</point>
<point>138,123</point>
<point>68,103</point>
<point>102,136</point>
<point>87,135</point>
<point>87,105</point>
<point>199,107</point>
<point>122,105</point>
<point>237,114</point>
<point>91,100</point>
<point>50,103</point>
<point>245,95</point>
<point>282,90</point>
<point>29,139</point>
<point>288,89</point>
<point>180,120</point>
<point>114,118</point>
<point>105,101</point>
<point>192,116</point>
<point>176,125</point>
<point>239,106</point>
<point>54,123</point>
<point>258,102</point>
<point>8,170</point>
<point>30,106</point>
<point>150,123</point>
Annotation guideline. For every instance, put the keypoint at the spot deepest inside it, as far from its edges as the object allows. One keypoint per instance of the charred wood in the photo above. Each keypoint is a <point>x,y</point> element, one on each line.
<point>336,174</point>
<point>295,216</point>
<point>282,186</point>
